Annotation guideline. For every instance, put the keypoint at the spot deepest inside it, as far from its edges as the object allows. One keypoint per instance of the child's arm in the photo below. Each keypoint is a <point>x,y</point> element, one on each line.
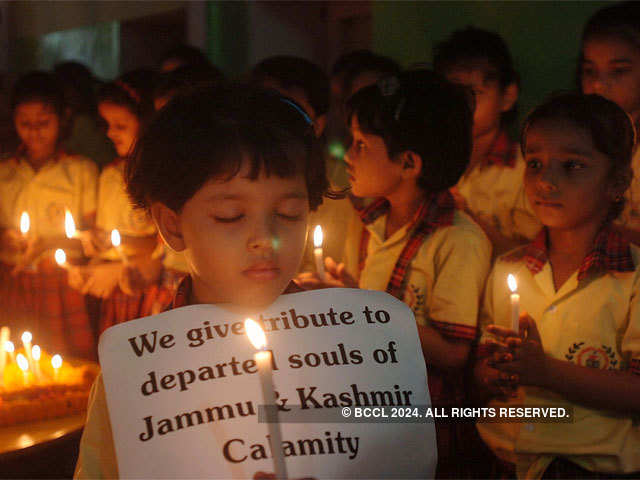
<point>447,354</point>
<point>602,389</point>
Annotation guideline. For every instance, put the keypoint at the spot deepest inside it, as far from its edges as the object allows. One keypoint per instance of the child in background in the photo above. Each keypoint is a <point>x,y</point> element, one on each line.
<point>411,142</point>
<point>248,180</point>
<point>490,190</point>
<point>124,107</point>
<point>45,182</point>
<point>579,345</point>
<point>610,66</point>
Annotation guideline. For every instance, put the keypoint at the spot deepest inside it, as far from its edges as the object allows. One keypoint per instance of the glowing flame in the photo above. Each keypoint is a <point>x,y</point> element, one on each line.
<point>115,237</point>
<point>23,363</point>
<point>35,352</point>
<point>317,236</point>
<point>25,223</point>
<point>69,224</point>
<point>61,257</point>
<point>8,346</point>
<point>26,337</point>
<point>513,285</point>
<point>56,361</point>
<point>255,333</point>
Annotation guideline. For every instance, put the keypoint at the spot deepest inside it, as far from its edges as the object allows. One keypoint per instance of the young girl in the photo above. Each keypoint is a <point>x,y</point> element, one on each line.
<point>44,182</point>
<point>248,179</point>
<point>579,346</point>
<point>124,108</point>
<point>610,66</point>
<point>411,142</point>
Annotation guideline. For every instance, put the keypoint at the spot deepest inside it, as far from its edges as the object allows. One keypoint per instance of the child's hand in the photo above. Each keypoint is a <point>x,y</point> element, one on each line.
<point>35,247</point>
<point>13,240</point>
<point>335,276</point>
<point>77,276</point>
<point>529,361</point>
<point>102,279</point>
<point>94,242</point>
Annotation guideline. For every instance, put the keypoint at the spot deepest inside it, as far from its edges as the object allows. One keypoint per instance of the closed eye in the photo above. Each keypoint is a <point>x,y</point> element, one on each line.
<point>229,219</point>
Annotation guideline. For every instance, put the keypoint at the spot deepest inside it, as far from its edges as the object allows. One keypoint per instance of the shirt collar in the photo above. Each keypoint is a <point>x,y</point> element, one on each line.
<point>436,211</point>
<point>611,252</point>
<point>502,151</point>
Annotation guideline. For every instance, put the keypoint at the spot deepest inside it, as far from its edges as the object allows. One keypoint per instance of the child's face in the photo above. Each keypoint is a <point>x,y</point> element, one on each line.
<point>611,68</point>
<point>38,126</point>
<point>122,126</point>
<point>244,239</point>
<point>566,179</point>
<point>490,99</point>
<point>371,171</point>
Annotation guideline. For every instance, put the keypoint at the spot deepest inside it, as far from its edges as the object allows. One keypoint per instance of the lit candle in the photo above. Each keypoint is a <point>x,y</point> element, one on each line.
<point>26,342</point>
<point>35,354</point>
<point>263,360</point>
<point>69,225</point>
<point>515,303</point>
<point>4,338</point>
<point>61,258</point>
<point>56,363</point>
<point>23,363</point>
<point>10,349</point>
<point>317,251</point>
<point>25,224</point>
<point>115,241</point>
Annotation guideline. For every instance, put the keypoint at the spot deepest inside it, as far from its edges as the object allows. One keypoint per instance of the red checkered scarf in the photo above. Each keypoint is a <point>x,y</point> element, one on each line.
<point>502,151</point>
<point>611,252</point>
<point>185,287</point>
<point>436,211</point>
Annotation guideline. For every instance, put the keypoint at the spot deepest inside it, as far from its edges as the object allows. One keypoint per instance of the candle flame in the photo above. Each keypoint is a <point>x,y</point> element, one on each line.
<point>35,352</point>
<point>26,337</point>
<point>115,237</point>
<point>8,346</point>
<point>61,257</point>
<point>255,333</point>
<point>23,363</point>
<point>56,361</point>
<point>513,285</point>
<point>24,223</point>
<point>69,224</point>
<point>317,236</point>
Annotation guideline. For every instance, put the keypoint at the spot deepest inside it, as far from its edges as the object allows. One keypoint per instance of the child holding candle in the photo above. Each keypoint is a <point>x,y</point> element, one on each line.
<point>490,189</point>
<point>578,281</point>
<point>125,106</point>
<point>248,179</point>
<point>45,182</point>
<point>411,142</point>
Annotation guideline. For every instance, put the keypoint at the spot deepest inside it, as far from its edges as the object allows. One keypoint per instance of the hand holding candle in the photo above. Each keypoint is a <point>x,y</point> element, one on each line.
<point>317,251</point>
<point>263,361</point>
<point>115,241</point>
<point>515,303</point>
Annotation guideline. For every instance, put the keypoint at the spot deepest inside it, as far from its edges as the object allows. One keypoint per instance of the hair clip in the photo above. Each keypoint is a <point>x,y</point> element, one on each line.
<point>388,86</point>
<point>300,110</point>
<point>129,89</point>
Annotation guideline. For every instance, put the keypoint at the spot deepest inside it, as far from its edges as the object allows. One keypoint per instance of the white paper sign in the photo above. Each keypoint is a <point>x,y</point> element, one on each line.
<point>183,390</point>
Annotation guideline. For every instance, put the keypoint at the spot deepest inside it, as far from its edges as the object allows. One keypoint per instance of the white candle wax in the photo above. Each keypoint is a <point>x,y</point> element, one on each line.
<point>515,303</point>
<point>317,251</point>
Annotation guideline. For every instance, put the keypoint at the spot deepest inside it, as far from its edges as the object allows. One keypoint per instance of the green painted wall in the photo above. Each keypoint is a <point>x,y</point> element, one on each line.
<point>543,37</point>
<point>228,35</point>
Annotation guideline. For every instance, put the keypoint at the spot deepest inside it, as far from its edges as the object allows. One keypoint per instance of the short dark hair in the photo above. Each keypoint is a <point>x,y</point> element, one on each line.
<point>353,64</point>
<point>419,111</point>
<point>610,128</point>
<point>620,20</point>
<point>187,79</point>
<point>466,47</point>
<point>133,90</point>
<point>291,72</point>
<point>210,133</point>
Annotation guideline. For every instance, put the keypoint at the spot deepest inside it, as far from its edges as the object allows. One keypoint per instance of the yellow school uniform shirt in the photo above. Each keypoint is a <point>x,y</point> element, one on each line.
<point>593,322</point>
<point>66,182</point>
<point>494,191</point>
<point>445,279</point>
<point>115,210</point>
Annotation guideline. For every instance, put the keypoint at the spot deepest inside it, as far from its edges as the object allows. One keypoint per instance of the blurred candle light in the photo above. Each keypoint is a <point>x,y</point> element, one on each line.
<point>10,349</point>
<point>23,363</point>
<point>263,361</point>
<point>26,343</point>
<point>69,225</point>
<point>56,363</point>
<point>35,354</point>
<point>61,258</point>
<point>25,224</point>
<point>515,303</point>
<point>317,251</point>
<point>115,241</point>
<point>4,338</point>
